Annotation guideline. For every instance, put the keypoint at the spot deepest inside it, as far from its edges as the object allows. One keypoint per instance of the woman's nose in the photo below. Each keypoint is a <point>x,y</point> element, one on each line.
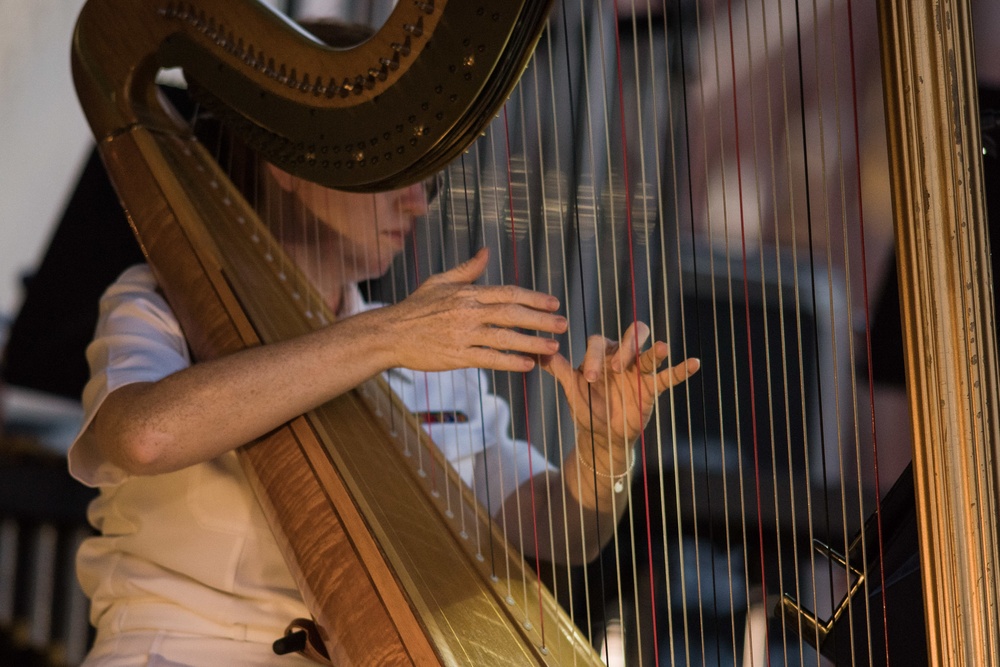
<point>413,200</point>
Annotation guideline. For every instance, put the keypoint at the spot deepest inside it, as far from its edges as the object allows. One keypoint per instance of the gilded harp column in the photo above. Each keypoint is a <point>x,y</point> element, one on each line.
<point>948,319</point>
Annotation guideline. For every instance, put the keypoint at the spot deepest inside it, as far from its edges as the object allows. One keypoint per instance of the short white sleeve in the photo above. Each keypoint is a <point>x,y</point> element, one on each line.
<point>137,339</point>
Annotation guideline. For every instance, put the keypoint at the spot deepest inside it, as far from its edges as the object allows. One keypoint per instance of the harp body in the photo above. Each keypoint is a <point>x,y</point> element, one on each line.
<point>356,526</point>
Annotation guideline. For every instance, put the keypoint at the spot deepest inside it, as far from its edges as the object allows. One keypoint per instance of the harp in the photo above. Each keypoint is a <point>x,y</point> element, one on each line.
<point>769,533</point>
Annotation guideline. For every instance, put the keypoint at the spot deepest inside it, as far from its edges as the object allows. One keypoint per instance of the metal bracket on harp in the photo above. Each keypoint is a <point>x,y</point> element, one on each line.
<point>850,635</point>
<point>806,623</point>
<point>304,637</point>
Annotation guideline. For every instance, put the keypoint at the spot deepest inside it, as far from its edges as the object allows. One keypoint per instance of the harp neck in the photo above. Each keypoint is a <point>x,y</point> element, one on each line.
<point>382,114</point>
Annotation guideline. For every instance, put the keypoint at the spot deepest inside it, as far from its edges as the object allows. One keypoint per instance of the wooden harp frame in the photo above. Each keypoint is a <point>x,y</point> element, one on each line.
<point>948,320</point>
<point>354,523</point>
<point>159,172</point>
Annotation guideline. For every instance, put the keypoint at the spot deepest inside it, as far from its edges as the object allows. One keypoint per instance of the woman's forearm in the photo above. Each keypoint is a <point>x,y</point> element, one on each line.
<point>210,408</point>
<point>574,517</point>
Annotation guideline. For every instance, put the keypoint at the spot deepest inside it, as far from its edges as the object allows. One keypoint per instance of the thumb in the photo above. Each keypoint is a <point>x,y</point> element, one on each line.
<point>469,270</point>
<point>559,367</point>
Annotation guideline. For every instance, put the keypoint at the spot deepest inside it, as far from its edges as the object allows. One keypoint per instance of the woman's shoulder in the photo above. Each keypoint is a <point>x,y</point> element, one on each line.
<point>138,277</point>
<point>134,302</point>
<point>135,283</point>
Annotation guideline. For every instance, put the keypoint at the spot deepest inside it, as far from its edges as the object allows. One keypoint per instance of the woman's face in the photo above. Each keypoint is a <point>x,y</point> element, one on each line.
<point>359,235</point>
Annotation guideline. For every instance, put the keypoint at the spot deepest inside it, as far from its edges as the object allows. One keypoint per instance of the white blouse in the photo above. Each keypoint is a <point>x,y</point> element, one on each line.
<point>189,551</point>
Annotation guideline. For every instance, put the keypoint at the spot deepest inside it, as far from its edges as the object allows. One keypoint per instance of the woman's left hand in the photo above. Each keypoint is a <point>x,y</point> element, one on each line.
<point>612,393</point>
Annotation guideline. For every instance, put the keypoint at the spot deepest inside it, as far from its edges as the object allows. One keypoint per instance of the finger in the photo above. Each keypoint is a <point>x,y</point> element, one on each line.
<point>510,340</point>
<point>512,294</point>
<point>520,317</point>
<point>496,360</point>
<point>674,375</point>
<point>593,358</point>
<point>559,367</point>
<point>651,359</point>
<point>632,341</point>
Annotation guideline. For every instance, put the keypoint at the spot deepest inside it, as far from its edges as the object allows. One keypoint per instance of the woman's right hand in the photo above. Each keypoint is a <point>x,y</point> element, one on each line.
<point>449,323</point>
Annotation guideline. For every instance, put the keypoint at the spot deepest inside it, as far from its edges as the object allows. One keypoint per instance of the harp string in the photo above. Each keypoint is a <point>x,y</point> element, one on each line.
<point>798,348</point>
<point>501,182</point>
<point>716,59</point>
<point>754,400</point>
<point>630,238</point>
<point>419,278</point>
<point>609,234</point>
<point>599,117</point>
<point>811,287</point>
<point>477,204</point>
<point>667,304</point>
<point>797,343</point>
<point>546,386</point>
<point>784,378</point>
<point>549,287</point>
<point>505,184</point>
<point>696,346</point>
<point>572,215</point>
<point>417,273</point>
<point>524,377</point>
<point>867,316</point>
<point>455,253</point>
<point>646,238</point>
<point>564,204</point>
<point>743,251</point>
<point>441,229</point>
<point>482,230</point>
<point>828,218</point>
<point>747,316</point>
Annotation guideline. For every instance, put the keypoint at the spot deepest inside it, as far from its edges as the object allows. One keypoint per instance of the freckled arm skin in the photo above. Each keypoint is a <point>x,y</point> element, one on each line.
<point>210,408</point>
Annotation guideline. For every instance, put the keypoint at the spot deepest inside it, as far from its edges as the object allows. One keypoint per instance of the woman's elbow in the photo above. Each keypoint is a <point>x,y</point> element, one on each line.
<point>141,456</point>
<point>135,448</point>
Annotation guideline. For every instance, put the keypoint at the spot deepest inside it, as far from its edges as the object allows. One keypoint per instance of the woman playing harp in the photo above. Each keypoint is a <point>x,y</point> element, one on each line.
<point>186,569</point>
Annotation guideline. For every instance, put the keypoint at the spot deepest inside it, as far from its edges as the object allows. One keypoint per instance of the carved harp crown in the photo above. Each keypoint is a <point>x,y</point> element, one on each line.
<point>385,113</point>
<point>743,193</point>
